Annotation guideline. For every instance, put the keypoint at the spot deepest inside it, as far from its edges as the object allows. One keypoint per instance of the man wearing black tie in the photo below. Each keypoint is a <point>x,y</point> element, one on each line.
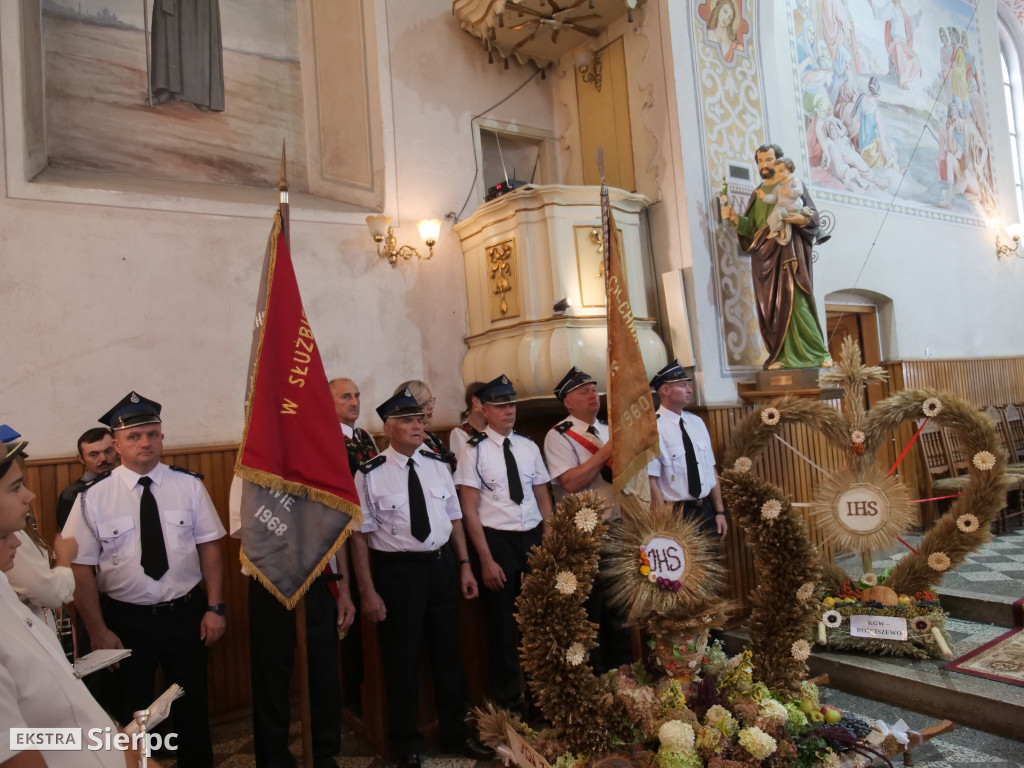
<point>578,452</point>
<point>505,500</point>
<point>412,536</point>
<point>684,474</point>
<point>147,535</point>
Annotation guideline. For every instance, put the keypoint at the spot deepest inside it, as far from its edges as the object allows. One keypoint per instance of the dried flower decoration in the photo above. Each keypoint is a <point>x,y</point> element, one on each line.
<point>931,407</point>
<point>676,736</point>
<point>984,460</point>
<point>939,561</point>
<point>968,523</point>
<point>771,416</point>
<point>832,619</point>
<point>565,582</point>
<point>921,624</point>
<point>758,743</point>
<point>575,654</point>
<point>858,437</point>
<point>800,650</point>
<point>869,579</point>
<point>586,519</point>
<point>742,464</point>
<point>806,591</point>
<point>771,510</point>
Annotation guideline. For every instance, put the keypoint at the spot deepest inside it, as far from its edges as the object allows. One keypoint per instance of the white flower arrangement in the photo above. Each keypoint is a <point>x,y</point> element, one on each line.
<point>800,650</point>
<point>771,416</point>
<point>758,743</point>
<point>771,510</point>
<point>773,712</point>
<point>575,654</point>
<point>939,561</point>
<point>586,519</point>
<point>968,523</point>
<point>832,618</point>
<point>984,460</point>
<point>565,582</point>
<point>676,736</point>
<point>743,464</point>
<point>931,407</point>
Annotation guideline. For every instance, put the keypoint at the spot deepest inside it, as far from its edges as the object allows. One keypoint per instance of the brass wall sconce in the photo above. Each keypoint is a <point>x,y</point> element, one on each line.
<point>589,72</point>
<point>383,235</point>
<point>1014,232</point>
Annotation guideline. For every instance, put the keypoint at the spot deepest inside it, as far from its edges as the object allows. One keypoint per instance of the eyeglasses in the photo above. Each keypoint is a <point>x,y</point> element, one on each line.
<point>429,401</point>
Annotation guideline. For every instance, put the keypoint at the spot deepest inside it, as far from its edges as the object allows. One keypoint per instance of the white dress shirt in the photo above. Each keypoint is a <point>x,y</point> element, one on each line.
<point>564,453</point>
<point>39,690</point>
<point>482,466</point>
<point>670,466</point>
<point>384,496</point>
<point>105,521</point>
<point>37,584</point>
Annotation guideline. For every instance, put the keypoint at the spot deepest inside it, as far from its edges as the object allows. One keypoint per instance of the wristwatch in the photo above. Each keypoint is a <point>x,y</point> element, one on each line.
<point>220,609</point>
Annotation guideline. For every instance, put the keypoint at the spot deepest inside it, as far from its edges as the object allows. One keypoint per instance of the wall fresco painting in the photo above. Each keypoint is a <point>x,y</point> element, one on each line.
<point>894,107</point>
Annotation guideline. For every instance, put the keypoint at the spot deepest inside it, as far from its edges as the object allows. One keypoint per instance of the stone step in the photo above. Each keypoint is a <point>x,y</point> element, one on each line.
<point>918,686</point>
<point>978,606</point>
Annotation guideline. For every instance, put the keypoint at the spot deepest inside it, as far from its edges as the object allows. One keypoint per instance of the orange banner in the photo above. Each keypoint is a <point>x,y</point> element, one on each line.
<point>631,421</point>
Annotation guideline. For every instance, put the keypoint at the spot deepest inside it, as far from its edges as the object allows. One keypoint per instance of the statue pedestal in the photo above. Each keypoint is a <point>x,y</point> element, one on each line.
<point>794,382</point>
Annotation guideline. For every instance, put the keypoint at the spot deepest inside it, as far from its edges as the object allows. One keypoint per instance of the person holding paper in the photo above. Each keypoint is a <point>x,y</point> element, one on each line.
<point>37,686</point>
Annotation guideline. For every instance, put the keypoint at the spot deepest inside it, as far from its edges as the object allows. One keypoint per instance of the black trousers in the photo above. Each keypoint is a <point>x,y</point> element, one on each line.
<point>272,636</point>
<point>509,550</point>
<point>420,591</point>
<point>614,638</point>
<point>701,511</point>
<point>166,637</point>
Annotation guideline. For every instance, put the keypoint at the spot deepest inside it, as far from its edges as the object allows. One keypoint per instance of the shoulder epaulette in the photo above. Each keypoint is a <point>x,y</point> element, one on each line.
<point>433,455</point>
<point>372,464</point>
<point>91,483</point>
<point>564,427</point>
<point>475,440</point>
<point>602,421</point>
<point>657,416</point>
<point>176,468</point>
<point>522,435</point>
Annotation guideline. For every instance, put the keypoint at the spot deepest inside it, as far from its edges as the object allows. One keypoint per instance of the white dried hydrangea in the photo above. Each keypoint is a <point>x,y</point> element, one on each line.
<point>676,736</point>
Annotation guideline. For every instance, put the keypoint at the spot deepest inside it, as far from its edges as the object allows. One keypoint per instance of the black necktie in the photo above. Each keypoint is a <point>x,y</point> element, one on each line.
<point>515,485</point>
<point>151,533</point>
<point>692,473</point>
<point>419,521</point>
<point>606,471</point>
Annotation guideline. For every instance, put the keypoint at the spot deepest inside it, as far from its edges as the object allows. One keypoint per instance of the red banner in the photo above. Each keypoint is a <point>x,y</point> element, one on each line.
<point>292,446</point>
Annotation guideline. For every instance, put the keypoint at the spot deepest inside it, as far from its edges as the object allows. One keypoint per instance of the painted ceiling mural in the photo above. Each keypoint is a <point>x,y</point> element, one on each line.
<point>893,103</point>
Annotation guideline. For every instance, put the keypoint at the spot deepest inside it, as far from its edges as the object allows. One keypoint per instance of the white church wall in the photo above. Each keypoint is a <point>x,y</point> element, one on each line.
<point>155,295</point>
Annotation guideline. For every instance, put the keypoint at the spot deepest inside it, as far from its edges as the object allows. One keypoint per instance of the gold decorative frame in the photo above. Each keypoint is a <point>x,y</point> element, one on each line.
<point>503,277</point>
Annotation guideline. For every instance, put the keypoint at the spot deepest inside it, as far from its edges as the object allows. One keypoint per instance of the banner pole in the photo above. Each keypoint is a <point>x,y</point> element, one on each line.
<point>305,710</point>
